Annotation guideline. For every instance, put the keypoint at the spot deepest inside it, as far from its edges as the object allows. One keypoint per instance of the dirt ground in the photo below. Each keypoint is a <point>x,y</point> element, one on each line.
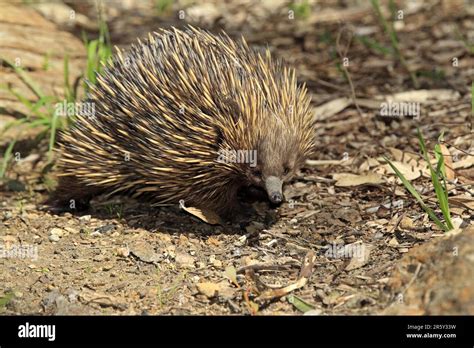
<point>348,240</point>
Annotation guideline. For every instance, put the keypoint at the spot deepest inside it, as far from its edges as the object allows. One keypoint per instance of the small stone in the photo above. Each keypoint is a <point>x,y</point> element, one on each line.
<point>72,230</point>
<point>217,263</point>
<point>208,289</point>
<point>123,252</point>
<point>54,238</point>
<point>105,228</point>
<point>56,232</point>
<point>378,235</point>
<point>184,259</point>
<point>393,242</point>
<point>85,218</point>
<point>107,267</point>
<point>313,312</point>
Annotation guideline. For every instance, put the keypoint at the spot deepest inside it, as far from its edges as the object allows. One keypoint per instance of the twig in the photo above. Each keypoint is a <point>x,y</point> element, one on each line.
<point>344,68</point>
<point>261,267</point>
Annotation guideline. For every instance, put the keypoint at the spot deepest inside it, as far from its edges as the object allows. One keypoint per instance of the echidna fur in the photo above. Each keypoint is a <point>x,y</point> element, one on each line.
<point>166,114</point>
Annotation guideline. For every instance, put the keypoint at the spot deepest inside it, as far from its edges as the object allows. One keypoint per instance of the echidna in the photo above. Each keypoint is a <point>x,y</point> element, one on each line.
<point>180,116</point>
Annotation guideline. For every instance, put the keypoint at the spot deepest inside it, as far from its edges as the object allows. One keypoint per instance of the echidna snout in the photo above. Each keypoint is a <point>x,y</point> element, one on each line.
<point>278,161</point>
<point>273,185</point>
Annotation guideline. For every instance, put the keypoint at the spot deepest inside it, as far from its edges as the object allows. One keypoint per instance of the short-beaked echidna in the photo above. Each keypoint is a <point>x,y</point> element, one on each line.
<point>180,117</point>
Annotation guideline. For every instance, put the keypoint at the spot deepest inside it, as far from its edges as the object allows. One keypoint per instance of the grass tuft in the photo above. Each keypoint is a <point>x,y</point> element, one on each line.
<point>438,178</point>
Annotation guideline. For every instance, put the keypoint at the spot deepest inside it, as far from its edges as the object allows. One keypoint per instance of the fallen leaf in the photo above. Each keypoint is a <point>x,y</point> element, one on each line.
<point>231,274</point>
<point>462,200</point>
<point>206,215</point>
<point>331,108</point>
<point>348,179</point>
<point>408,158</point>
<point>393,242</point>
<point>305,273</point>
<point>408,171</point>
<point>213,241</point>
<point>208,289</point>
<point>464,163</point>
<point>424,95</point>
<point>360,255</point>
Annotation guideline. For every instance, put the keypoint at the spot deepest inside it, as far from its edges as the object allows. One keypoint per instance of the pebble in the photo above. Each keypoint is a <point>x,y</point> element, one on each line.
<point>105,228</point>
<point>378,235</point>
<point>123,252</point>
<point>54,238</point>
<point>184,259</point>
<point>85,218</point>
<point>217,263</point>
<point>56,232</point>
<point>71,230</point>
<point>313,312</point>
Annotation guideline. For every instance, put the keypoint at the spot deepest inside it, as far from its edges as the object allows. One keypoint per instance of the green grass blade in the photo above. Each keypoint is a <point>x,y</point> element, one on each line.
<point>374,45</point>
<point>52,136</point>
<point>6,158</point>
<point>417,196</point>
<point>25,78</point>
<point>21,98</point>
<point>441,192</point>
<point>13,124</point>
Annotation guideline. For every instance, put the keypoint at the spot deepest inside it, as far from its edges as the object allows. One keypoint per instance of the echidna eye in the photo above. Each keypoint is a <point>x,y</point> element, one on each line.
<point>286,170</point>
<point>257,172</point>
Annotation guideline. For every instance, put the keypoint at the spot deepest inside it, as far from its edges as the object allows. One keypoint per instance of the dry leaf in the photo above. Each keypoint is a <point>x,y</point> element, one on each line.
<point>206,215</point>
<point>462,200</point>
<point>464,163</point>
<point>213,241</point>
<point>393,242</point>
<point>345,162</point>
<point>305,273</point>
<point>360,255</point>
<point>406,157</point>
<point>348,179</point>
<point>208,289</point>
<point>231,274</point>
<point>331,108</point>
<point>424,95</point>
<point>409,172</point>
